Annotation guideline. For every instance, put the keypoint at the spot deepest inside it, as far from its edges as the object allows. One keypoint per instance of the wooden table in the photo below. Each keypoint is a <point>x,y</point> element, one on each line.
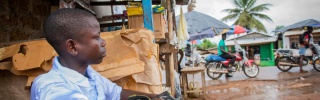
<point>193,70</point>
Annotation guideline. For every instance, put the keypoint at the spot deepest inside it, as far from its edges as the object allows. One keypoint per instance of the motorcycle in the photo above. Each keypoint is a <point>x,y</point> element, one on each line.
<point>289,58</point>
<point>215,68</point>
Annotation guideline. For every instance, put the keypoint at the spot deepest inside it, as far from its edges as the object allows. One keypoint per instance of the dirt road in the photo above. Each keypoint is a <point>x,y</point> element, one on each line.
<point>291,85</point>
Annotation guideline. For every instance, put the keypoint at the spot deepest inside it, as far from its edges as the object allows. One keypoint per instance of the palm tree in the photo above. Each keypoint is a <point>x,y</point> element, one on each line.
<point>247,14</point>
<point>279,27</point>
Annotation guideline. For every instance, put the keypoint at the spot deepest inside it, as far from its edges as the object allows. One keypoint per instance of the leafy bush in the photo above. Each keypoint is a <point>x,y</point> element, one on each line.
<point>206,44</point>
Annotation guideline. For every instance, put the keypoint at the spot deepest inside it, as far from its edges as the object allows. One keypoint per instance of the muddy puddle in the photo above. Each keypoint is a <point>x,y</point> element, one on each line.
<point>296,88</point>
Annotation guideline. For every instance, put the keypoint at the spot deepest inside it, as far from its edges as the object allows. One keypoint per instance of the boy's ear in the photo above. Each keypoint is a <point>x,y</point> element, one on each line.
<point>71,47</point>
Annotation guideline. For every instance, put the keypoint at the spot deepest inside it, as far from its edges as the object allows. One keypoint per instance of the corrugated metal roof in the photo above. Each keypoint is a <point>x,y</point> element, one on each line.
<point>198,22</point>
<point>308,22</point>
<point>252,41</point>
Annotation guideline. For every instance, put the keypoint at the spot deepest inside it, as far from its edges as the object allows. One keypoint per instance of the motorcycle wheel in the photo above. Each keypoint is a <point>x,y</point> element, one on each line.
<point>283,67</point>
<point>252,71</point>
<point>316,64</point>
<point>213,66</point>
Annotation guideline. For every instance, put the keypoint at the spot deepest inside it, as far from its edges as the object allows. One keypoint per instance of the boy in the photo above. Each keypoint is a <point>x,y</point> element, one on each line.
<point>75,36</point>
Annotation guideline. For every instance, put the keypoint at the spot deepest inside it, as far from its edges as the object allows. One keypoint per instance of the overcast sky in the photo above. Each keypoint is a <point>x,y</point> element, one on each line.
<point>283,12</point>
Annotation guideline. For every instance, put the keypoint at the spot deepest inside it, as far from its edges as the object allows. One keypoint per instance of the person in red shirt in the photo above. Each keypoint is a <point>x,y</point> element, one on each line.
<point>304,44</point>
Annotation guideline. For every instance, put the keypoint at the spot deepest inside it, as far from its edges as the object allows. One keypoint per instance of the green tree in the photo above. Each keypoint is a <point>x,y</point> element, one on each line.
<point>206,44</point>
<point>279,27</point>
<point>247,14</point>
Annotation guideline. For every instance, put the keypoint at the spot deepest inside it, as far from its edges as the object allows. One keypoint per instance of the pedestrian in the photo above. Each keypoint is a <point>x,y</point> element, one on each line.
<point>188,50</point>
<point>305,39</point>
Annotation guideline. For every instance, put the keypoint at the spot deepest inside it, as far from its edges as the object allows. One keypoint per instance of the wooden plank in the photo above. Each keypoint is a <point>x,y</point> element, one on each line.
<point>161,41</point>
<point>165,48</point>
<point>167,69</point>
<point>108,3</point>
<point>112,24</point>
<point>194,91</point>
<point>112,17</point>
<point>203,85</point>
<point>184,84</point>
<point>193,69</point>
<point>159,25</point>
<point>147,14</point>
<point>5,65</point>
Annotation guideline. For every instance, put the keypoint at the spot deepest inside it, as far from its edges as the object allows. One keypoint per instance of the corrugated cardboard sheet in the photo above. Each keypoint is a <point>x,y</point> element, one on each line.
<point>131,61</point>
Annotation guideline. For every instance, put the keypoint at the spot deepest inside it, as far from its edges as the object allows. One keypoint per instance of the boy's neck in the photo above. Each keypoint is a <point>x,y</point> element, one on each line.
<point>74,65</point>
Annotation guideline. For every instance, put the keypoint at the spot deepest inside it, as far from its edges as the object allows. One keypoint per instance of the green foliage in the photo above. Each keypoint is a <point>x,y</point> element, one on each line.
<point>279,27</point>
<point>247,13</point>
<point>206,44</point>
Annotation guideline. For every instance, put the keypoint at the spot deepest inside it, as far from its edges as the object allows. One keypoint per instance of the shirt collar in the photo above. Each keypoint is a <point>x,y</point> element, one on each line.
<point>72,75</point>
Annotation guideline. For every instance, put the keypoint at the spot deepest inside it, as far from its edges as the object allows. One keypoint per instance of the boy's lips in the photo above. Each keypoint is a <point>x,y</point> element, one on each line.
<point>104,54</point>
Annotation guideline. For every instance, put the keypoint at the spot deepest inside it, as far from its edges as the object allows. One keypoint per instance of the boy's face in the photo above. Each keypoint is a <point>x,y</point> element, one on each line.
<point>91,47</point>
<point>224,36</point>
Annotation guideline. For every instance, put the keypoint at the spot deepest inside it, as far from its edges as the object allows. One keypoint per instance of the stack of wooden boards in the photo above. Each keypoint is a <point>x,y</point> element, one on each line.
<point>131,61</point>
<point>158,20</point>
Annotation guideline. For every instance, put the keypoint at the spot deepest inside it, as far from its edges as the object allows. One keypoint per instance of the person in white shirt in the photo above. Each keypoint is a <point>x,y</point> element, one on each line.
<point>75,36</point>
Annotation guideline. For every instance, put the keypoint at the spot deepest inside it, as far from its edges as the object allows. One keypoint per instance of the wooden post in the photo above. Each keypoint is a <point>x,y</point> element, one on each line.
<point>171,60</point>
<point>172,72</point>
<point>167,66</point>
<point>147,14</point>
<point>112,12</point>
<point>175,58</point>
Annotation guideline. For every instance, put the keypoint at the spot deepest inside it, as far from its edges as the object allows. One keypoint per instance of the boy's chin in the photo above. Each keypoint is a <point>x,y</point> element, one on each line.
<point>97,61</point>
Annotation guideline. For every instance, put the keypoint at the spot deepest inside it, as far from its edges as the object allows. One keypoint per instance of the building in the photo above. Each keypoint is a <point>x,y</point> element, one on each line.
<point>291,38</point>
<point>256,43</point>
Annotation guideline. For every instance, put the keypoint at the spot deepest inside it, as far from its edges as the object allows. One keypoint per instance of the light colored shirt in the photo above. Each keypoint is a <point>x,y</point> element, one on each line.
<point>221,44</point>
<point>311,39</point>
<point>62,83</point>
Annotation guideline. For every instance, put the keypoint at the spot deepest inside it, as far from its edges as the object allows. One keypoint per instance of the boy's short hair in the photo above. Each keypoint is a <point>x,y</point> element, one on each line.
<point>309,28</point>
<point>225,34</point>
<point>65,24</point>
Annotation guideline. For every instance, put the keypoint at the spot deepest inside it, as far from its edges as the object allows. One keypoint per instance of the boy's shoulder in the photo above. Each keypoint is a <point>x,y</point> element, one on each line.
<point>47,79</point>
<point>221,42</point>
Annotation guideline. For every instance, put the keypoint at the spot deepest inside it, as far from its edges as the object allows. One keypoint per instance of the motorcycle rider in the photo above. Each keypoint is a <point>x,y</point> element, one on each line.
<point>223,52</point>
<point>305,39</point>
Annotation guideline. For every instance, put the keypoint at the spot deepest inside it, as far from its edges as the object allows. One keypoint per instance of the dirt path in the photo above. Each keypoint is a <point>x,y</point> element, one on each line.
<point>290,86</point>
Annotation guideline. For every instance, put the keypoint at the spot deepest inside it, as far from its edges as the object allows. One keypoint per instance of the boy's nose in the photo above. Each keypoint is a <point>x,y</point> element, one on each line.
<point>103,42</point>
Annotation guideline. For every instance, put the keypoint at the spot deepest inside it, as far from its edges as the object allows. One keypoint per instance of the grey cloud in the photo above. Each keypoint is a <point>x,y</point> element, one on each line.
<point>283,12</point>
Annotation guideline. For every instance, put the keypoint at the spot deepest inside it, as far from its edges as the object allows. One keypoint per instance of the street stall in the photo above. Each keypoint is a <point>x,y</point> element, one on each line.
<point>193,26</point>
